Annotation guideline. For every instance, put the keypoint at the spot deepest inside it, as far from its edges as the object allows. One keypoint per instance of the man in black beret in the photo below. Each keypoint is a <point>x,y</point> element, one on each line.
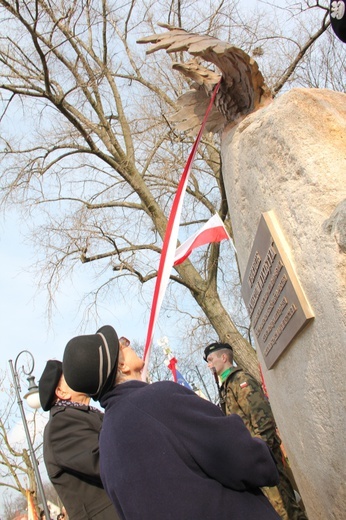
<point>241,394</point>
<point>70,447</point>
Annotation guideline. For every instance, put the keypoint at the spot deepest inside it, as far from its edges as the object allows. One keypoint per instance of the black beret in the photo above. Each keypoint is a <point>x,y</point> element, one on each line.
<point>90,362</point>
<point>338,18</point>
<point>215,346</point>
<point>49,381</point>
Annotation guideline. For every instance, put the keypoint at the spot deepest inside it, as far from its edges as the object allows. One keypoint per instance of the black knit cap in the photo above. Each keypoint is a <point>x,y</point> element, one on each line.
<point>48,382</point>
<point>215,346</point>
<point>338,18</point>
<point>90,362</point>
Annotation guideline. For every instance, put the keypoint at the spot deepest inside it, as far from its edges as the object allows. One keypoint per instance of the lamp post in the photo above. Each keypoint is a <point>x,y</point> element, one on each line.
<point>33,400</point>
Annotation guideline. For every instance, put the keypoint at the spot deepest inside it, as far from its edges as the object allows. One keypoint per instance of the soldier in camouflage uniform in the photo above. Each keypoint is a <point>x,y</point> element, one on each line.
<point>240,393</point>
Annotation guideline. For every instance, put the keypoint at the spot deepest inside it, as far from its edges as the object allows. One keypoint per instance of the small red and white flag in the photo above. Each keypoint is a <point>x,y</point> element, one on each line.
<point>213,231</point>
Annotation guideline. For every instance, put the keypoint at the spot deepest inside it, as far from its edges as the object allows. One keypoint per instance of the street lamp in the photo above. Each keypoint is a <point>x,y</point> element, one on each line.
<point>33,400</point>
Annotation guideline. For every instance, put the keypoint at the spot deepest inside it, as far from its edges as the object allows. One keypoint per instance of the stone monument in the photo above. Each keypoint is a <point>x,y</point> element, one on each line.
<point>288,161</point>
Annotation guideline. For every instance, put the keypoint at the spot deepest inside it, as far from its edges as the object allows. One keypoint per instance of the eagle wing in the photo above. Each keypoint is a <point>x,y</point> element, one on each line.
<point>242,88</point>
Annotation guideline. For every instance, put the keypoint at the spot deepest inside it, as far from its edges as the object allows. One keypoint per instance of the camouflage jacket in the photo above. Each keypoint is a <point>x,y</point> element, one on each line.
<point>244,396</point>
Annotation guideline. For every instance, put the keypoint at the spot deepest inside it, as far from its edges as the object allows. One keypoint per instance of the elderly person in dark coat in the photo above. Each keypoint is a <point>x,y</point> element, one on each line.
<point>165,453</point>
<point>71,447</point>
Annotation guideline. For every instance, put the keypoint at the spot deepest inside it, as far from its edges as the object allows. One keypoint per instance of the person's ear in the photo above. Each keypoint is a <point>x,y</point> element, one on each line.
<point>62,394</point>
<point>125,369</point>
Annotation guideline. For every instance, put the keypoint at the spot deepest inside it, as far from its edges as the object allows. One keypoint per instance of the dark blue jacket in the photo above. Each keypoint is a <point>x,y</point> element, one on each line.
<point>167,454</point>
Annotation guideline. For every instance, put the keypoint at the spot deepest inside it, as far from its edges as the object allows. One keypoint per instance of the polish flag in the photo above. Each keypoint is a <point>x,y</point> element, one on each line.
<point>212,231</point>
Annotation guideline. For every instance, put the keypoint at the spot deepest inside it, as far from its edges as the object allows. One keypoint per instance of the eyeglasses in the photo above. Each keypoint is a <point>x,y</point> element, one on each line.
<point>124,342</point>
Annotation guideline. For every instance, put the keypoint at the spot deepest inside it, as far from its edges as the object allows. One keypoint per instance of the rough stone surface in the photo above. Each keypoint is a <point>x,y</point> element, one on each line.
<point>336,225</point>
<point>290,157</point>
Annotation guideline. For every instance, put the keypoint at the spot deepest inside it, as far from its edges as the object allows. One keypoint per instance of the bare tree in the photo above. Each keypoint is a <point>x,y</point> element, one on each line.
<point>95,158</point>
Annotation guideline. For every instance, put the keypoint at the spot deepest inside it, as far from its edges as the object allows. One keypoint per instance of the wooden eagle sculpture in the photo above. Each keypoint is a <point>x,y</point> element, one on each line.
<point>242,89</point>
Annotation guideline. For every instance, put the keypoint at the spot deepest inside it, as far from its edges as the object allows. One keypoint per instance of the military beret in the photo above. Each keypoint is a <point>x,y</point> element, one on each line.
<point>49,381</point>
<point>215,346</point>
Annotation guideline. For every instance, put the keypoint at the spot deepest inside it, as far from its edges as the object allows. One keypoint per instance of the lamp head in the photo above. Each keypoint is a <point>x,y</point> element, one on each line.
<point>32,396</point>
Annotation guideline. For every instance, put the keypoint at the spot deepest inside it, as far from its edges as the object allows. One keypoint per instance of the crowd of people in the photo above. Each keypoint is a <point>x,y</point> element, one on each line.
<point>159,451</point>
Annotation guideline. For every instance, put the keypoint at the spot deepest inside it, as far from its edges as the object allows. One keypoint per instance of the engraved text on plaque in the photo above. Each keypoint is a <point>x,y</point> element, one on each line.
<point>275,301</point>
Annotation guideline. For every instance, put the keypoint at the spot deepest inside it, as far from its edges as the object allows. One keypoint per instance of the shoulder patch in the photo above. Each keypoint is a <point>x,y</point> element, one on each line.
<point>243,385</point>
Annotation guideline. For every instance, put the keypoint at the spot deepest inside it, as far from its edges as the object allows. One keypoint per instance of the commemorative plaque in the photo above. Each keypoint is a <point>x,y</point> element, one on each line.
<point>274,298</point>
